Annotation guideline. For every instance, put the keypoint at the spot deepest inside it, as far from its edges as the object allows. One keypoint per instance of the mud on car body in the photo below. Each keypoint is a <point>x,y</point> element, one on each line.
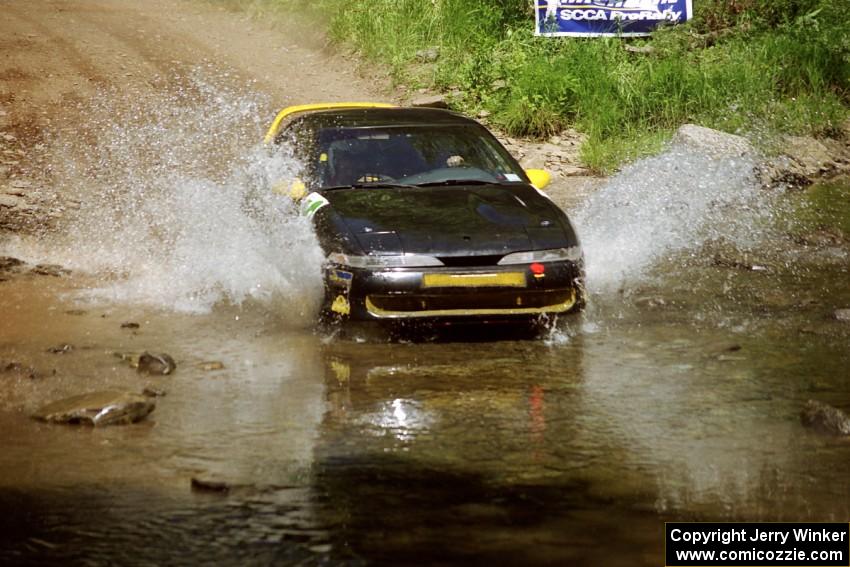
<point>424,216</point>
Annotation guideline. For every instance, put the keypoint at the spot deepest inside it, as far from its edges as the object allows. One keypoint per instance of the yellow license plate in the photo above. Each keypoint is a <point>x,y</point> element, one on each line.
<point>505,279</point>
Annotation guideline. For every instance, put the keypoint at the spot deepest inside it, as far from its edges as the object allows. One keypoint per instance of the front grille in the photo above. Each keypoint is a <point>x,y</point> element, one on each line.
<point>468,261</point>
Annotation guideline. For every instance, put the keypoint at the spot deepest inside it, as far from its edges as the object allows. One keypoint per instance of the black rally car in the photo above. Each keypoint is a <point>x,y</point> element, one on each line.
<point>423,215</point>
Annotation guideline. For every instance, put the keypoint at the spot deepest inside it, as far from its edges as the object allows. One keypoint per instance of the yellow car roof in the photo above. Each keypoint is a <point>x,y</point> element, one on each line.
<point>291,110</point>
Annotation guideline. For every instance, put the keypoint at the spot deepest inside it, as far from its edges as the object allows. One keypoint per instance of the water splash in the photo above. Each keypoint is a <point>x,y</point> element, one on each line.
<point>664,205</point>
<point>175,207</point>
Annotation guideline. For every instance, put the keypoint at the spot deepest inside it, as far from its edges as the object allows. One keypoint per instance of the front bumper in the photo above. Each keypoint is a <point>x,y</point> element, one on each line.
<point>452,293</point>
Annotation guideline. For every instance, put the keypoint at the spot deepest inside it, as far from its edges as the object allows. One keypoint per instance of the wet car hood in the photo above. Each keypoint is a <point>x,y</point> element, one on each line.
<point>452,221</point>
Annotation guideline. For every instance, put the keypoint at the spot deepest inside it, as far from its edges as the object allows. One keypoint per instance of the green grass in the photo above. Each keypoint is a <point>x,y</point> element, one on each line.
<point>744,66</point>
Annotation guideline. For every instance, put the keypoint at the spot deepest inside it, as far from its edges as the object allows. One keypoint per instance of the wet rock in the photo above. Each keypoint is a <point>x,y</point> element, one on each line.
<point>321,548</point>
<point>813,330</point>
<point>781,171</point>
<point>211,365</point>
<point>152,392</point>
<point>428,55</point>
<point>738,263</point>
<point>53,270</point>
<point>825,419</point>
<point>150,363</point>
<point>650,302</point>
<point>713,142</point>
<point>817,386</point>
<point>7,263</point>
<point>810,155</point>
<point>728,353</point>
<point>98,409</point>
<point>131,358</point>
<point>804,159</point>
<point>129,325</point>
<point>20,369</point>
<point>822,238</point>
<point>430,101</point>
<point>208,485</point>
<point>61,349</point>
<point>758,398</point>
<point>842,315</point>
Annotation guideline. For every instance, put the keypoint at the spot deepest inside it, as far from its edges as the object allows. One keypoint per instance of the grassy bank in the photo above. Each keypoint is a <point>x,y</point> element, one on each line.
<point>753,66</point>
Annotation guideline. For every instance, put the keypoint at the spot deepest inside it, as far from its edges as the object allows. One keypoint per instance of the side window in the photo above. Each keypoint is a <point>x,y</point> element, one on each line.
<point>298,140</point>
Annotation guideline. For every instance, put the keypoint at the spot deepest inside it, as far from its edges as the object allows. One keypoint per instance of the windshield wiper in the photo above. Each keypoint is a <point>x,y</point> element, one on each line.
<point>448,182</point>
<point>371,185</point>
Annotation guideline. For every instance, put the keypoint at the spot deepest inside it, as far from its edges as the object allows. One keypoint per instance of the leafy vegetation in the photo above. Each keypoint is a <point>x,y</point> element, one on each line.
<point>746,66</point>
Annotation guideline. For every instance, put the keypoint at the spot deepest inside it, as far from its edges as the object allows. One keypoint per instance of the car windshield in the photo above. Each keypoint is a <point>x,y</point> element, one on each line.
<point>410,156</point>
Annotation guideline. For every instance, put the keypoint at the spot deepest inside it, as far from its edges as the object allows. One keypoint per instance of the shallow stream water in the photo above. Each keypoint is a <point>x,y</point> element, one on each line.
<point>676,396</point>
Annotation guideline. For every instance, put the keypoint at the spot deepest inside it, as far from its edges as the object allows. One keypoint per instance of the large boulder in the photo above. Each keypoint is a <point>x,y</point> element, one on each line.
<point>804,160</point>
<point>713,142</point>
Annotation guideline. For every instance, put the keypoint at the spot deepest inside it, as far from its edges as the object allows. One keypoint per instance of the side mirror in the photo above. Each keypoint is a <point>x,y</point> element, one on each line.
<point>294,188</point>
<point>540,178</point>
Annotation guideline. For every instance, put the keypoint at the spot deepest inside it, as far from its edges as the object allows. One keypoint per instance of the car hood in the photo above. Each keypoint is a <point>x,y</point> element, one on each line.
<point>479,220</point>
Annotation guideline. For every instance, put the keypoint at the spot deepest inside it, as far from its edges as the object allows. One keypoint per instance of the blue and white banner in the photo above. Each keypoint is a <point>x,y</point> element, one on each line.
<point>594,18</point>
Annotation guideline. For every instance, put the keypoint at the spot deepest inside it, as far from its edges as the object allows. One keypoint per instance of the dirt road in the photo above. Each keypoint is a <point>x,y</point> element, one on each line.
<point>55,53</point>
<point>58,59</point>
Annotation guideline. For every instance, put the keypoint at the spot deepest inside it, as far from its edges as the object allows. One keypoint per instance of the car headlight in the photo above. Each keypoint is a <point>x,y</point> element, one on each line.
<point>400,261</point>
<point>573,253</point>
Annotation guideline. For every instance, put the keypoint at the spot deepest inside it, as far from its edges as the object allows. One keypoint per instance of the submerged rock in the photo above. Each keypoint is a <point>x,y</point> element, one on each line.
<point>131,358</point>
<point>20,370</point>
<point>211,365</point>
<point>824,418</point>
<point>152,392</point>
<point>842,315</point>
<point>98,408</point>
<point>129,325</point>
<point>151,363</point>
<point>61,349</point>
<point>208,485</point>
<point>650,301</point>
<point>738,263</point>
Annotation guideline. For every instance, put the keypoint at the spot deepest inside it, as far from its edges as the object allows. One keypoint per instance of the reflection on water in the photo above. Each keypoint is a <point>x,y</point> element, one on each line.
<point>536,451</point>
